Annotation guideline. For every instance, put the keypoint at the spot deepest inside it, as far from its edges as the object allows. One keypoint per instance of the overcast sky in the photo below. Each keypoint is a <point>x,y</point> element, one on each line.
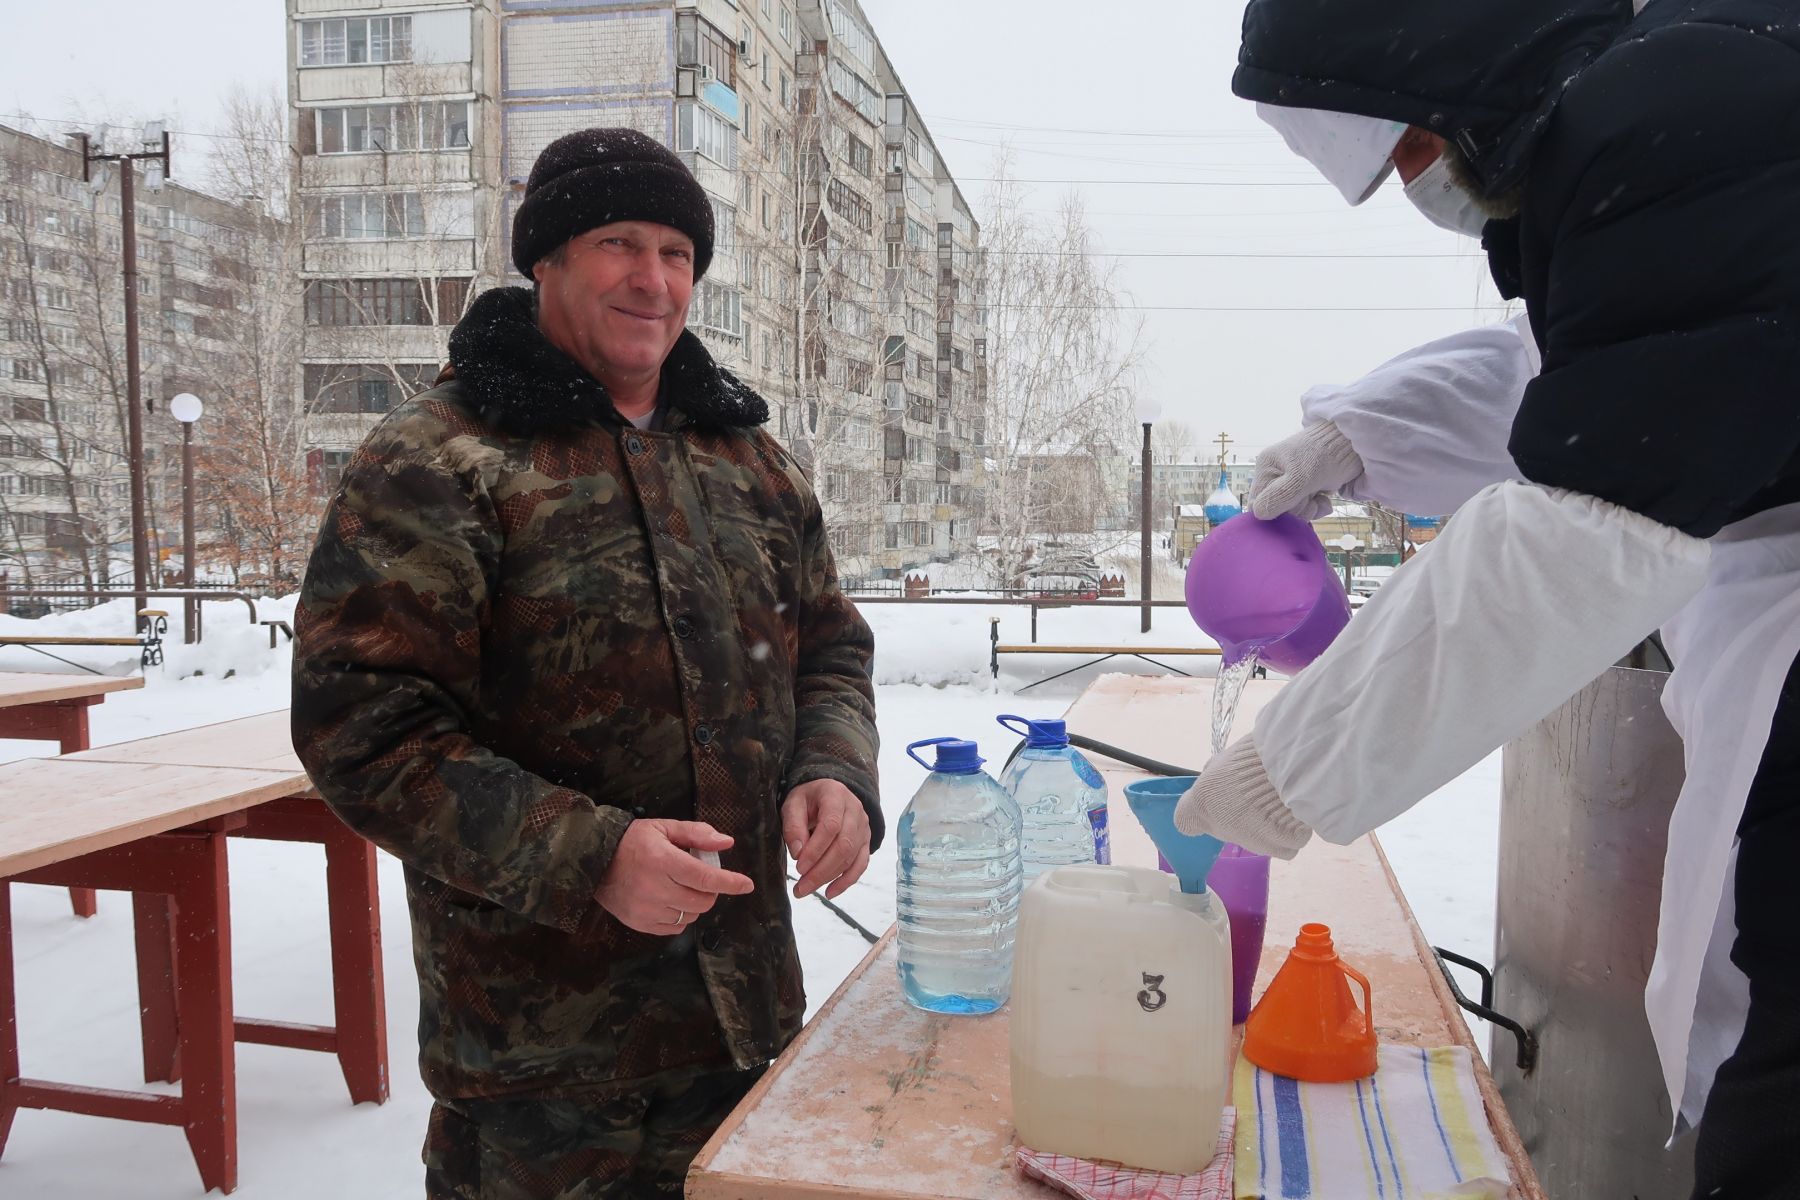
<point>1255,279</point>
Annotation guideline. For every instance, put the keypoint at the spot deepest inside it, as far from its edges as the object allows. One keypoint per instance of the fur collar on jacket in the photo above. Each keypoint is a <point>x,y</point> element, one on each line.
<point>521,384</point>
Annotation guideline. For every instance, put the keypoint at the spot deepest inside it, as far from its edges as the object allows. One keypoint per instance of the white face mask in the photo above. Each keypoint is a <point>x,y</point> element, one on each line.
<point>1435,192</point>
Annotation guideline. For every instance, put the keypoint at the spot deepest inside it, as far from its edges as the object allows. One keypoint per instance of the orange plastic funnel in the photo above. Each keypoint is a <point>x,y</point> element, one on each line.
<point>1307,1025</point>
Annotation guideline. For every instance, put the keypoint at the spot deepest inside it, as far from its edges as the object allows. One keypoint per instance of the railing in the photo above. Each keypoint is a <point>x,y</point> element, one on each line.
<point>202,593</point>
<point>1035,600</point>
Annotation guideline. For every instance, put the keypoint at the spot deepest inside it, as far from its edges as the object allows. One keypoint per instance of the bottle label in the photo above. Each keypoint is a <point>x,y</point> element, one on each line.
<point>1102,838</point>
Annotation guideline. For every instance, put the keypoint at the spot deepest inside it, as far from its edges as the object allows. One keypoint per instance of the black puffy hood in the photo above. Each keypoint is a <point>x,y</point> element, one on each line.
<point>1485,74</point>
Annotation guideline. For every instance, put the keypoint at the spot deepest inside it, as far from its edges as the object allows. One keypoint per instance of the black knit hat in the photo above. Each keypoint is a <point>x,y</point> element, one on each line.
<point>593,177</point>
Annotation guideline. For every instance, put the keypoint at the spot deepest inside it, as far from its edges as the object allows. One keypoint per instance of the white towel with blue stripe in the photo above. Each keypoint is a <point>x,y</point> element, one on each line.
<point>1415,1130</point>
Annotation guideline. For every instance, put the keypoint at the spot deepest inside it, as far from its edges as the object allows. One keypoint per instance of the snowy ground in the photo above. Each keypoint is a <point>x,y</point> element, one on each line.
<point>299,1136</point>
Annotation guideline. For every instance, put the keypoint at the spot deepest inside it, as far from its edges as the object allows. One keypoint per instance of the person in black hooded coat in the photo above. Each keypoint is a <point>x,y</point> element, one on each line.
<point>1643,172</point>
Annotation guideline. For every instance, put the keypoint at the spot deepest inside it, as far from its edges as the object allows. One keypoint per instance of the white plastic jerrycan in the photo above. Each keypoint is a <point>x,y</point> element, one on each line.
<point>1121,1018</point>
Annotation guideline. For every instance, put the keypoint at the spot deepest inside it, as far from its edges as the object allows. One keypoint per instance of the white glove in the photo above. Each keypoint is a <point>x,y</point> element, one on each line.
<point>1527,595</point>
<point>1234,801</point>
<point>1297,474</point>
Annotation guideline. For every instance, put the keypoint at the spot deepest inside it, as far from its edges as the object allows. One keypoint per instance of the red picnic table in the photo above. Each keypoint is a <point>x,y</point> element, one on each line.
<point>151,817</point>
<point>40,706</point>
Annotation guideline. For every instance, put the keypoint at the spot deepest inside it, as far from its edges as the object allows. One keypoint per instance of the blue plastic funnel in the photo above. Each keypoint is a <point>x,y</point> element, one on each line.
<point>1153,803</point>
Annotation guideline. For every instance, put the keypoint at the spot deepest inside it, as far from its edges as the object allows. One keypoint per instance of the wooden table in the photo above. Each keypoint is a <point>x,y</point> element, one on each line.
<point>151,817</point>
<point>38,706</point>
<point>878,1100</point>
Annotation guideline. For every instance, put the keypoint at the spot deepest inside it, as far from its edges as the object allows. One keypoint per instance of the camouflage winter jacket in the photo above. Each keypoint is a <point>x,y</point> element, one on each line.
<point>525,624</point>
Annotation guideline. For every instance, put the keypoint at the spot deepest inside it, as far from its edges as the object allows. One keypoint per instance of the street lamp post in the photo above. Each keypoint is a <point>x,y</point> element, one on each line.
<point>187,408</point>
<point>154,150</point>
<point>1148,409</point>
<point>1347,543</point>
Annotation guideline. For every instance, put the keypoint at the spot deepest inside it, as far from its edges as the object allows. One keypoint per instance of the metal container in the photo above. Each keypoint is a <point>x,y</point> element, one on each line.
<point>1583,826</point>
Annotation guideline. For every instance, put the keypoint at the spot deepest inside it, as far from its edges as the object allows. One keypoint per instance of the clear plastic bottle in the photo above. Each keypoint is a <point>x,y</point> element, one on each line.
<point>959,884</point>
<point>1061,798</point>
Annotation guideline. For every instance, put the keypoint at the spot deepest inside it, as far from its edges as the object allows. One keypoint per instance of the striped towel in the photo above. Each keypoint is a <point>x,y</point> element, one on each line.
<point>1415,1130</point>
<point>1109,1181</point>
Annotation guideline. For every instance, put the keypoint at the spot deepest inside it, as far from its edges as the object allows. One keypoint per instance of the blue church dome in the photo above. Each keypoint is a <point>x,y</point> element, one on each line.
<point>1221,506</point>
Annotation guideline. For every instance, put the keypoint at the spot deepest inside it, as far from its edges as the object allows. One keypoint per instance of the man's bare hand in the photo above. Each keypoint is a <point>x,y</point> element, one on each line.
<point>827,833</point>
<point>655,886</point>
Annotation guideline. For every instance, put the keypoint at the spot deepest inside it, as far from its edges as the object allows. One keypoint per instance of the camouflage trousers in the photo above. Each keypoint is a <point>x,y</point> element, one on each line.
<point>635,1144</point>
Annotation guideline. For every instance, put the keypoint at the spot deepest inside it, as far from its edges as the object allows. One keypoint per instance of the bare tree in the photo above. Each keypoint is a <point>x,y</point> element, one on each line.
<point>250,474</point>
<point>1062,363</point>
<point>837,386</point>
<point>1173,442</point>
<point>252,161</point>
<point>49,249</point>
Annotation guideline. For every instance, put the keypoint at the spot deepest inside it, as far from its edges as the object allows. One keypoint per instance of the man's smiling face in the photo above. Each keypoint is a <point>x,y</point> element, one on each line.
<point>616,297</point>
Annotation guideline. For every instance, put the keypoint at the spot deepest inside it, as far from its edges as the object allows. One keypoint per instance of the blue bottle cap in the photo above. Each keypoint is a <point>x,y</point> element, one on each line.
<point>954,756</point>
<point>1039,734</point>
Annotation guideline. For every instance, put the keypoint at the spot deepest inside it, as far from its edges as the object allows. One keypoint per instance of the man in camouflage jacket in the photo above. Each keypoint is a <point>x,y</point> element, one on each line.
<point>572,618</point>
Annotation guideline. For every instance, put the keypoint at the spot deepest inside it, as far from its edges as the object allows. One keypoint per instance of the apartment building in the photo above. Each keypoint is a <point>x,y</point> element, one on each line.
<point>845,279</point>
<point>65,502</point>
<point>398,134</point>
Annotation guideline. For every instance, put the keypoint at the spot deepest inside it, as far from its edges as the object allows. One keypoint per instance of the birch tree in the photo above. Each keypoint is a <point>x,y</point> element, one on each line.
<point>1062,361</point>
<point>250,471</point>
<point>836,381</point>
<point>63,458</point>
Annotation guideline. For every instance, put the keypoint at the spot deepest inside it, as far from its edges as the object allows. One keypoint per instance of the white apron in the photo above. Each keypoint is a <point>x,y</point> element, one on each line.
<point>1733,646</point>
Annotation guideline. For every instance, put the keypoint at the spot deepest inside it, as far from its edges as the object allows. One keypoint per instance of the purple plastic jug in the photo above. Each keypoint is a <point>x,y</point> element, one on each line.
<point>1266,586</point>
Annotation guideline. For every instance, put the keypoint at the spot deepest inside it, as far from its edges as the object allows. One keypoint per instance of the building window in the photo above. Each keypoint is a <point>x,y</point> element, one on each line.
<point>25,408</point>
<point>717,309</point>
<point>724,229</point>
<point>701,130</point>
<point>347,41</point>
<point>699,44</point>
<point>384,128</point>
<point>363,387</point>
<point>330,470</point>
<point>366,215</point>
<point>862,160</point>
<point>845,202</point>
<point>346,302</point>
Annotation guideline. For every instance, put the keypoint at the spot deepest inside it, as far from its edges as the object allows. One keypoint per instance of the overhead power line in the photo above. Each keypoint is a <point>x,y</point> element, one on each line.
<point>1255,308</point>
<point>762,173</point>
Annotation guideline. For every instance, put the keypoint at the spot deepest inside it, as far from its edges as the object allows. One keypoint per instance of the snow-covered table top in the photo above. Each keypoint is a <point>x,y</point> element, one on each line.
<point>880,1101</point>
<point>263,742</point>
<point>40,687</point>
<point>54,809</point>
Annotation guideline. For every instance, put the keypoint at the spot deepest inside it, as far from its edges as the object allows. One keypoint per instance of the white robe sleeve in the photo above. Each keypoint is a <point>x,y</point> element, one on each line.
<point>1526,596</point>
<point>1431,426</point>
